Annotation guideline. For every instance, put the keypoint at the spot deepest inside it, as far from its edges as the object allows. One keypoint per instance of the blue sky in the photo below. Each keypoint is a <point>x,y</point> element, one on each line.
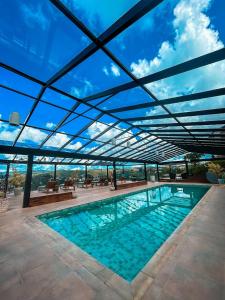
<point>36,38</point>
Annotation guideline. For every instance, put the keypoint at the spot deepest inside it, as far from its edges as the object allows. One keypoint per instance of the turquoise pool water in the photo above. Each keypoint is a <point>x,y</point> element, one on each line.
<point>124,232</point>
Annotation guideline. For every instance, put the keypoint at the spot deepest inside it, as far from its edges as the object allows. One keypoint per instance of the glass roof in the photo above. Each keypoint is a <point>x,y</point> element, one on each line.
<point>112,81</point>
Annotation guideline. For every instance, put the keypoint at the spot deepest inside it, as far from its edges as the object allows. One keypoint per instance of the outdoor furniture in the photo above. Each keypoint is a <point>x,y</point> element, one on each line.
<point>184,175</point>
<point>88,182</point>
<point>122,179</point>
<point>50,186</point>
<point>68,185</point>
<point>211,177</point>
<point>172,176</point>
<point>85,183</point>
<point>133,178</point>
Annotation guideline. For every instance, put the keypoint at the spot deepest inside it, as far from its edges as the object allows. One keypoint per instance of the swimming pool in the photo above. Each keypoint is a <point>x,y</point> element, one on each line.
<point>125,231</point>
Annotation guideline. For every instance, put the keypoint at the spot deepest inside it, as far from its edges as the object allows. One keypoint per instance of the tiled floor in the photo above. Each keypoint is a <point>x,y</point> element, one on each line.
<point>36,263</point>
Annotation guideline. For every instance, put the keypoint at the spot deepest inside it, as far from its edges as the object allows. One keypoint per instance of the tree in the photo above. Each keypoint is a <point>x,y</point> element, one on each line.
<point>193,157</point>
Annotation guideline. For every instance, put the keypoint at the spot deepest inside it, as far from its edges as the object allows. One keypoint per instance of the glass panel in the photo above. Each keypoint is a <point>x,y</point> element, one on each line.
<point>41,175</point>
<point>203,118</point>
<point>187,33</point>
<point>98,15</point>
<point>8,133</point>
<point>76,144</point>
<point>204,126</point>
<point>31,137</point>
<point>202,104</point>
<point>36,37</point>
<point>74,126</point>
<point>158,110</point>
<point>46,116</point>
<point>130,97</point>
<point>91,147</point>
<point>56,141</point>
<point>159,121</point>
<point>12,102</point>
<point>208,78</point>
<point>94,75</point>
<point>21,157</point>
<point>7,156</point>
<point>19,83</point>
<point>92,113</point>
<point>103,149</point>
<point>58,99</point>
<point>95,129</point>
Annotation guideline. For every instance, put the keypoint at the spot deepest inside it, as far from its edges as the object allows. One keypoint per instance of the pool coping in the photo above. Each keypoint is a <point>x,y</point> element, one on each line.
<point>74,256</point>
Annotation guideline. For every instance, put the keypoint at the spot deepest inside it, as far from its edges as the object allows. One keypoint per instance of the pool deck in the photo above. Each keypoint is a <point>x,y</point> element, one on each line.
<point>37,263</point>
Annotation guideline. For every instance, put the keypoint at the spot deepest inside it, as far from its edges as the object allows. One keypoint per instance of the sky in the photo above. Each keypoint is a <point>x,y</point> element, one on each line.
<point>37,39</point>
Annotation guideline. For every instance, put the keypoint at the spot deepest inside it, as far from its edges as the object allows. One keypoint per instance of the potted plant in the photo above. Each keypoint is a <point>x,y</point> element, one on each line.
<point>4,203</point>
<point>17,181</point>
<point>218,171</point>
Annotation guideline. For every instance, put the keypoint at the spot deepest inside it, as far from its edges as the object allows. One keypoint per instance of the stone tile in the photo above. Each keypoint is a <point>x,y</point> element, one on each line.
<point>186,285</point>
<point>37,263</point>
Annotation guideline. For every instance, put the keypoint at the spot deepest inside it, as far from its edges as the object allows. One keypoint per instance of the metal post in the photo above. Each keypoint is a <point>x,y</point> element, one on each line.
<point>123,170</point>
<point>27,187</point>
<point>145,171</point>
<point>86,172</point>
<point>107,172</point>
<point>6,179</point>
<point>114,175</point>
<point>158,172</point>
<point>55,169</point>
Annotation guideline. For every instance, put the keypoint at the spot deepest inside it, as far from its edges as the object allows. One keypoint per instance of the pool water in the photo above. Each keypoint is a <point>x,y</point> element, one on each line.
<point>124,232</point>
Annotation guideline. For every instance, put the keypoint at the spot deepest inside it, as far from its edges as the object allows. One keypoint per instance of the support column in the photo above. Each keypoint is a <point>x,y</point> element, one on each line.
<point>114,175</point>
<point>107,172</point>
<point>158,172</point>
<point>145,171</point>
<point>86,172</point>
<point>55,170</point>
<point>6,179</point>
<point>187,170</point>
<point>27,187</point>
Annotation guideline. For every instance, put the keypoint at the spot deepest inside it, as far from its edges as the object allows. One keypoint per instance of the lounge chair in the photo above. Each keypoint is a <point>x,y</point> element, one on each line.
<point>184,175</point>
<point>50,186</point>
<point>88,182</point>
<point>172,176</point>
<point>122,179</point>
<point>68,185</point>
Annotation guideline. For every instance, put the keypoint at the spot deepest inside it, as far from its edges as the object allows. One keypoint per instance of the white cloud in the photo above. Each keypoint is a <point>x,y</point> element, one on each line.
<point>87,88</point>
<point>6,134</point>
<point>112,70</point>
<point>115,70</point>
<point>105,71</point>
<point>34,16</point>
<point>75,146</point>
<point>32,134</point>
<point>50,125</point>
<point>194,36</point>
<point>37,136</point>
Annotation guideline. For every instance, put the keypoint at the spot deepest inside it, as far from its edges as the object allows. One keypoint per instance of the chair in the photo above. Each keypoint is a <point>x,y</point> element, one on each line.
<point>184,175</point>
<point>172,176</point>
<point>88,182</point>
<point>68,184</point>
<point>51,185</point>
<point>122,179</point>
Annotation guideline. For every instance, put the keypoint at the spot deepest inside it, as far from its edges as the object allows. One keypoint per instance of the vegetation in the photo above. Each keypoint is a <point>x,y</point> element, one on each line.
<point>193,157</point>
<point>216,169</point>
<point>17,179</point>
